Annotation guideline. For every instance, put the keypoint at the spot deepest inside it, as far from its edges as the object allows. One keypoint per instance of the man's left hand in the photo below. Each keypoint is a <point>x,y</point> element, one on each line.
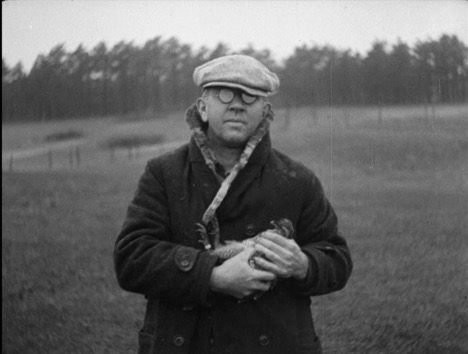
<point>284,256</point>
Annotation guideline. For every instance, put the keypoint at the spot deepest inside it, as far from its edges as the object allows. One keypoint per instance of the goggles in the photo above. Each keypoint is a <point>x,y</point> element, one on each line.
<point>226,95</point>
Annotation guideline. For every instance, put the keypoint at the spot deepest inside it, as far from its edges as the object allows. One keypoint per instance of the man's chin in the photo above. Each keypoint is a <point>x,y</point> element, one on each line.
<point>235,142</point>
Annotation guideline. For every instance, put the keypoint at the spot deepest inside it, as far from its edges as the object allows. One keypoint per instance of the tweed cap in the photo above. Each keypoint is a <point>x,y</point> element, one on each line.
<point>237,71</point>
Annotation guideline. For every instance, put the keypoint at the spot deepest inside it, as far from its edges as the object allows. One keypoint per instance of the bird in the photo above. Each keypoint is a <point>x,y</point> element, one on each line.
<point>230,248</point>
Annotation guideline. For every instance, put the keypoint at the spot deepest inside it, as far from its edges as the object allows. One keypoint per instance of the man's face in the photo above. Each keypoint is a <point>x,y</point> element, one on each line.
<point>230,124</point>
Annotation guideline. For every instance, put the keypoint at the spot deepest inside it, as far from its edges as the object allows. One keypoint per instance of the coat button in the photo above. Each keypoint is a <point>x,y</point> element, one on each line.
<point>178,341</point>
<point>184,259</point>
<point>263,340</point>
<point>250,230</point>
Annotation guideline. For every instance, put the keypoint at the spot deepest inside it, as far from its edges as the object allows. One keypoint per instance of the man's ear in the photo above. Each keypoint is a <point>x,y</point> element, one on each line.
<point>201,106</point>
<point>266,108</point>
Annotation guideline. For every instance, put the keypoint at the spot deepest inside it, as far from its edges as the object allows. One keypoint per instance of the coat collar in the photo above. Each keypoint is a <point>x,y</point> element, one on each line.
<point>258,157</point>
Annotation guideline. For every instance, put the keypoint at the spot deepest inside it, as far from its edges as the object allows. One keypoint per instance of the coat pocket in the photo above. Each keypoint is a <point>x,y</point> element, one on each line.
<point>145,343</point>
<point>307,339</point>
<point>308,343</point>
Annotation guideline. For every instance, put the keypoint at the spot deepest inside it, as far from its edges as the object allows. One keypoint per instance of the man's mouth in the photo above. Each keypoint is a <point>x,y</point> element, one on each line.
<point>235,122</point>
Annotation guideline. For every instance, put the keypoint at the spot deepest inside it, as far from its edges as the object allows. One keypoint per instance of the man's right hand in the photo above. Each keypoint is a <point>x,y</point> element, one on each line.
<point>235,277</point>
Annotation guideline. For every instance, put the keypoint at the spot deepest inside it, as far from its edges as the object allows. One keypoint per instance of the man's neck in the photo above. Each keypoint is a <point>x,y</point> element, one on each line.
<point>225,155</point>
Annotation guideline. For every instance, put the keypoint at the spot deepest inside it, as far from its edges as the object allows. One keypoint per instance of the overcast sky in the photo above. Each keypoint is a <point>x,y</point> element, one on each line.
<point>30,28</point>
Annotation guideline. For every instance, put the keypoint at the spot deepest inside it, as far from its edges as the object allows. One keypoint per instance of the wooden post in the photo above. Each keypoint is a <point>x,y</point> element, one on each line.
<point>77,155</point>
<point>347,122</point>
<point>433,115</point>
<point>354,199</point>
<point>380,113</point>
<point>70,156</point>
<point>49,156</point>
<point>315,116</point>
<point>426,112</point>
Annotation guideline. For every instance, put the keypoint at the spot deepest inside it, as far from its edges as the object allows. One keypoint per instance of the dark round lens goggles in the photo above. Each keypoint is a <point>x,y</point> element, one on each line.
<point>226,95</point>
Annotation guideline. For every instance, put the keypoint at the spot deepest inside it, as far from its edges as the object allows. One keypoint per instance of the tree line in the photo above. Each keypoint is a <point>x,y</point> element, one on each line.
<point>157,77</point>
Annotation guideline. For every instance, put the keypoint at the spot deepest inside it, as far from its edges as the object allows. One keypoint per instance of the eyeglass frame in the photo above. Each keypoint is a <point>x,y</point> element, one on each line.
<point>234,92</point>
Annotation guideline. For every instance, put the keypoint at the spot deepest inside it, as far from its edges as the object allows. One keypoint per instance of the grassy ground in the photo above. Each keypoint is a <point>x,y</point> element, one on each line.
<point>400,188</point>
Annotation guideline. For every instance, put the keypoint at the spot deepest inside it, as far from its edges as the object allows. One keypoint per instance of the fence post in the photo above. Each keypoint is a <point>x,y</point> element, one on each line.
<point>433,115</point>
<point>49,156</point>
<point>315,116</point>
<point>129,152</point>
<point>346,116</point>
<point>379,119</point>
<point>426,112</point>
<point>77,155</point>
<point>70,156</point>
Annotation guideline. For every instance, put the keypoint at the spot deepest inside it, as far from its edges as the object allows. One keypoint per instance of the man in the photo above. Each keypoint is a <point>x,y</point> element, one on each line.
<point>228,184</point>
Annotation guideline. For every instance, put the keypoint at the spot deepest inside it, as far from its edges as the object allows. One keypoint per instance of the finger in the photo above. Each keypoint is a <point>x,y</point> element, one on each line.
<point>272,246</point>
<point>247,253</point>
<point>278,239</point>
<point>263,264</point>
<point>275,254</point>
<point>262,286</point>
<point>262,275</point>
<point>271,267</point>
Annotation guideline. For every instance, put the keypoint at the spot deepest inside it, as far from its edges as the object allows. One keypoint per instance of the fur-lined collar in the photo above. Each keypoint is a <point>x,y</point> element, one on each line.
<point>199,128</point>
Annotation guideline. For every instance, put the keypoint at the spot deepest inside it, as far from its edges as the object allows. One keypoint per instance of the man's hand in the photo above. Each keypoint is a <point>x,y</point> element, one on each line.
<point>237,278</point>
<point>284,257</point>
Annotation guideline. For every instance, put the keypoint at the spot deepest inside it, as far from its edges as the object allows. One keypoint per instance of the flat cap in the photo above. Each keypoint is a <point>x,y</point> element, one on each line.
<point>238,71</point>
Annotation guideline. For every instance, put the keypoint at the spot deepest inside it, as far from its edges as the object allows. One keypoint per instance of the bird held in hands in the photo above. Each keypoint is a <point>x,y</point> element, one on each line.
<point>230,248</point>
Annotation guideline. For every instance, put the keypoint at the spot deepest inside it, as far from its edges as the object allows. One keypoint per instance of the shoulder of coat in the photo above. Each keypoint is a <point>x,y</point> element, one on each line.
<point>170,158</point>
<point>293,167</point>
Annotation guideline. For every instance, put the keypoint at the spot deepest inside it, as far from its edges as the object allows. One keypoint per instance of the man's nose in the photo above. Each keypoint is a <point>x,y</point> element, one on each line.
<point>237,103</point>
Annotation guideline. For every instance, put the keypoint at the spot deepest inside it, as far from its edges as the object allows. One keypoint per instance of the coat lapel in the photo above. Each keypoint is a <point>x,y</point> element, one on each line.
<point>203,180</point>
<point>247,175</point>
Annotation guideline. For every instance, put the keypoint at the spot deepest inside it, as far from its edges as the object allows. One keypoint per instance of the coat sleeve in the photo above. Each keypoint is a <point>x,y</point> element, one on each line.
<point>145,259</point>
<point>330,263</point>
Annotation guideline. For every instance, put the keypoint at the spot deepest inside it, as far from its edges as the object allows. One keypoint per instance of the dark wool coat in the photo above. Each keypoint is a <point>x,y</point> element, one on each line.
<point>158,254</point>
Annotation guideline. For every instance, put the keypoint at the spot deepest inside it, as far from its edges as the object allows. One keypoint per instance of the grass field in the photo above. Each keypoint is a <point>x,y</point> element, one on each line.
<point>399,186</point>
